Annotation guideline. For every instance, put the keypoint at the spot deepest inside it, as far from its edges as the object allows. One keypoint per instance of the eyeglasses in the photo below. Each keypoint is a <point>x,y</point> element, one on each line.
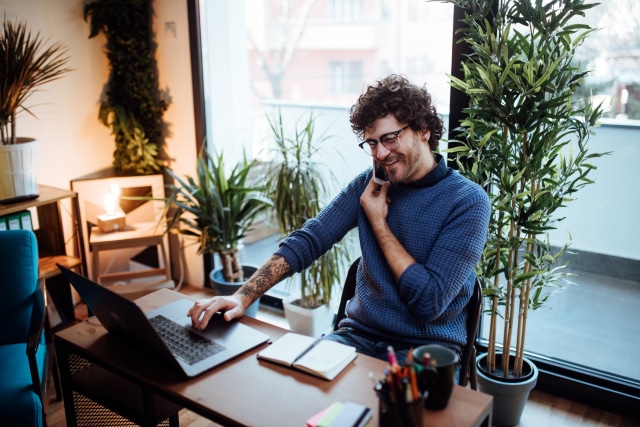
<point>390,141</point>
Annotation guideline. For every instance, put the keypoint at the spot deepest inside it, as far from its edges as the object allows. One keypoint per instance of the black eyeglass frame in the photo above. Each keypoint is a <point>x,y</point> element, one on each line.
<point>393,138</point>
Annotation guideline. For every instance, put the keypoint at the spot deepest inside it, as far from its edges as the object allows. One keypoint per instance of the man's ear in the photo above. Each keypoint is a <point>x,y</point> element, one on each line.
<point>426,134</point>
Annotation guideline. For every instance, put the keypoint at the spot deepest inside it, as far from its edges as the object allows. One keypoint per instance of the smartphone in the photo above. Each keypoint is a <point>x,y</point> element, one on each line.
<point>379,174</point>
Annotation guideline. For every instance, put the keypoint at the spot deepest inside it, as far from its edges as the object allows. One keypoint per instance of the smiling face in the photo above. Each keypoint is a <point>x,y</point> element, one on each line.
<point>410,160</point>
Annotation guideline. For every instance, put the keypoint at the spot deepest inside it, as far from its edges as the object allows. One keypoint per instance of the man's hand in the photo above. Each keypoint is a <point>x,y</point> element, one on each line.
<point>232,306</point>
<point>375,203</point>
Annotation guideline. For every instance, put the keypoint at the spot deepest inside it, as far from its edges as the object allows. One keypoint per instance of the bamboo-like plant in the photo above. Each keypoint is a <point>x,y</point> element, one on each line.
<point>524,140</point>
<point>297,186</point>
<point>216,208</point>
<point>25,65</point>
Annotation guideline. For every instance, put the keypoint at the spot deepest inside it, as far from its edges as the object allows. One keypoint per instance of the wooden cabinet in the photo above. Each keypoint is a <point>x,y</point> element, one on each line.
<point>51,243</point>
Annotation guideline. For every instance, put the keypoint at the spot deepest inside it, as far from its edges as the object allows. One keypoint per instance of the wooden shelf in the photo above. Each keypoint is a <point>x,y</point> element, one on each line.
<point>49,269</point>
<point>46,195</point>
<point>52,244</point>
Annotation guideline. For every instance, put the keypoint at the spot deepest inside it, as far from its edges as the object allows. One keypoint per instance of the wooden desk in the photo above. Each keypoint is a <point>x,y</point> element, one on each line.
<point>246,391</point>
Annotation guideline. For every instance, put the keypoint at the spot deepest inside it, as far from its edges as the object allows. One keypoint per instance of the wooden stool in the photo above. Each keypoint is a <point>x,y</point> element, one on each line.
<point>136,235</point>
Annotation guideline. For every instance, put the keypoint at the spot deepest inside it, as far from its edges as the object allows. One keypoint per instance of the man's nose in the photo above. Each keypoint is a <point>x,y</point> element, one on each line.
<point>381,151</point>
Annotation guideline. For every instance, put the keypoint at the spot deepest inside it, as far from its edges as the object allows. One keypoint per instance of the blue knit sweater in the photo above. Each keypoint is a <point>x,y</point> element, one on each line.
<point>442,221</point>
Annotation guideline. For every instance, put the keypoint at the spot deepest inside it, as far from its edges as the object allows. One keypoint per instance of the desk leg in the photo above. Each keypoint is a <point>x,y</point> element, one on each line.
<point>65,383</point>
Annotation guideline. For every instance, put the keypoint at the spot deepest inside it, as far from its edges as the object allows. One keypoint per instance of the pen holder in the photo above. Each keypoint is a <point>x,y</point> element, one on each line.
<point>400,414</point>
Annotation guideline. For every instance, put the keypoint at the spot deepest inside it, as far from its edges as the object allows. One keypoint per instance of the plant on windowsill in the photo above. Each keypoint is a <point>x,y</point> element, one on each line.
<point>26,63</point>
<point>297,186</point>
<point>217,208</point>
<point>132,104</point>
<point>524,140</point>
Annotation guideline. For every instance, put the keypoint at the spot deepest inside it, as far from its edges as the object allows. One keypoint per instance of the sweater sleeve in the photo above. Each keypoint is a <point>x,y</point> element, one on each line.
<point>319,234</point>
<point>451,259</point>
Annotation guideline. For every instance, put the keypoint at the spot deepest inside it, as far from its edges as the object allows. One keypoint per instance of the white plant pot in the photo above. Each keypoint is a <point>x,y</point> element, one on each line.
<point>308,321</point>
<point>18,171</point>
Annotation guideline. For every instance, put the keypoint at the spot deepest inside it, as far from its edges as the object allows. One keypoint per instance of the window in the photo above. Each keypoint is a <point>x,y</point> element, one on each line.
<point>613,53</point>
<point>345,9</point>
<point>261,56</point>
<point>346,77</point>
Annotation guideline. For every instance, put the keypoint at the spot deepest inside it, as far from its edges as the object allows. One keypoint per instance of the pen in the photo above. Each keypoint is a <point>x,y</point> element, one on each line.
<point>308,349</point>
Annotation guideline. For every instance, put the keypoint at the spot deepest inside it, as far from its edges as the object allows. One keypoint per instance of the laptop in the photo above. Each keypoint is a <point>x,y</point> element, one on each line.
<point>166,332</point>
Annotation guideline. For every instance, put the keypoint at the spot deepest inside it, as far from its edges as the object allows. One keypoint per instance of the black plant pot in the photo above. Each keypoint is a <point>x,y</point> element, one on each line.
<point>223,287</point>
<point>509,395</point>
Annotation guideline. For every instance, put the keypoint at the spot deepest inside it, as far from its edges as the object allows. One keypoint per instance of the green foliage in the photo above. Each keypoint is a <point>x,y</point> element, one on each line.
<point>523,140</point>
<point>216,208</point>
<point>297,188</point>
<point>25,65</point>
<point>132,104</point>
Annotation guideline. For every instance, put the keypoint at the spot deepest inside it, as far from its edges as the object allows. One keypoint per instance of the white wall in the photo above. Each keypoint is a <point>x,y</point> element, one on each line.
<point>603,218</point>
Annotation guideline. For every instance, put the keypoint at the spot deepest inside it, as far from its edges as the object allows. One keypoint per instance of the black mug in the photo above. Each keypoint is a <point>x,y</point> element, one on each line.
<point>439,386</point>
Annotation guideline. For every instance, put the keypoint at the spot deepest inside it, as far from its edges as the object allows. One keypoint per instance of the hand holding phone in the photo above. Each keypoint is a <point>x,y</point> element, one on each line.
<point>379,174</point>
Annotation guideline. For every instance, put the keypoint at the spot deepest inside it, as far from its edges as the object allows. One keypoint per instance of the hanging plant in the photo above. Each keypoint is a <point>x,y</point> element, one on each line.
<point>132,104</point>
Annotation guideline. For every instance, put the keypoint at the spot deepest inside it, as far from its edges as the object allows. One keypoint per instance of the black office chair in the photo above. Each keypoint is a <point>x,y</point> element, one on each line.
<point>468,357</point>
<point>348,290</point>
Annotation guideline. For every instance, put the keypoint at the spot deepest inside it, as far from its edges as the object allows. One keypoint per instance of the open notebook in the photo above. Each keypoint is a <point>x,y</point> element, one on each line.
<point>324,359</point>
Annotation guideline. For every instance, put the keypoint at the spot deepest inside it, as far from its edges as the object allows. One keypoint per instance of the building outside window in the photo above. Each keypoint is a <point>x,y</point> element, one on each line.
<point>346,77</point>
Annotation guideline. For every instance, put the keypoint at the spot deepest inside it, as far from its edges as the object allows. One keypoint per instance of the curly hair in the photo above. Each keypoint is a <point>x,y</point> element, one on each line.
<point>408,102</point>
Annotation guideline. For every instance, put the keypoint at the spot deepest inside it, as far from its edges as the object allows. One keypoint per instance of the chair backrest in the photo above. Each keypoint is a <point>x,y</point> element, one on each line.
<point>18,283</point>
<point>474,308</point>
<point>467,359</point>
<point>348,290</point>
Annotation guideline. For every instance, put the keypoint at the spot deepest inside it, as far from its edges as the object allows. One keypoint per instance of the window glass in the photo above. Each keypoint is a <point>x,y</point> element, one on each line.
<point>297,56</point>
<point>613,54</point>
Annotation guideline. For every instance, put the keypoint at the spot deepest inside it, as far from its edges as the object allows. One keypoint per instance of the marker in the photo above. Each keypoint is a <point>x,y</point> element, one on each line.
<point>393,361</point>
<point>425,360</point>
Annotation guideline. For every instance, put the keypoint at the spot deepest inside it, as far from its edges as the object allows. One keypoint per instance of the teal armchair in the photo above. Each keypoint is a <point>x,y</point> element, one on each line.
<point>23,348</point>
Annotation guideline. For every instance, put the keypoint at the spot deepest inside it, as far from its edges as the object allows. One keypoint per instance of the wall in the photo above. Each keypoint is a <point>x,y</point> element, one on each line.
<point>73,143</point>
<point>603,218</point>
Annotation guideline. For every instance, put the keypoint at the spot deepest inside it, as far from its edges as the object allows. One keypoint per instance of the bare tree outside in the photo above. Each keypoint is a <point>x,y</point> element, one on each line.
<point>285,22</point>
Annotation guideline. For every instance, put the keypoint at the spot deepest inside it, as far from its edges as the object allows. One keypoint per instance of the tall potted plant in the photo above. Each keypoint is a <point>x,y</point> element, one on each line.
<point>218,208</point>
<point>524,140</point>
<point>298,188</point>
<point>27,61</point>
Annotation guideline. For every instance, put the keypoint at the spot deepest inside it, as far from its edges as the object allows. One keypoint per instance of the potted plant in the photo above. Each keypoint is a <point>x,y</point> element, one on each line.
<point>132,104</point>
<point>524,139</point>
<point>218,209</point>
<point>26,63</point>
<point>297,186</point>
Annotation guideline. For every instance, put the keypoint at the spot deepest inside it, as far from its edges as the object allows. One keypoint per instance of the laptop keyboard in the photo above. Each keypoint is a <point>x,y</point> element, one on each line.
<point>187,346</point>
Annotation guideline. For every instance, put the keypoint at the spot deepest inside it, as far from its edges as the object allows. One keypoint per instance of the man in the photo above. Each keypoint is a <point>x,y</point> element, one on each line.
<point>421,233</point>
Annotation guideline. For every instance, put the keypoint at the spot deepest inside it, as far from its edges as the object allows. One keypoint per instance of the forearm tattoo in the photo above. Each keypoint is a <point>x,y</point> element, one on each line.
<point>271,273</point>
